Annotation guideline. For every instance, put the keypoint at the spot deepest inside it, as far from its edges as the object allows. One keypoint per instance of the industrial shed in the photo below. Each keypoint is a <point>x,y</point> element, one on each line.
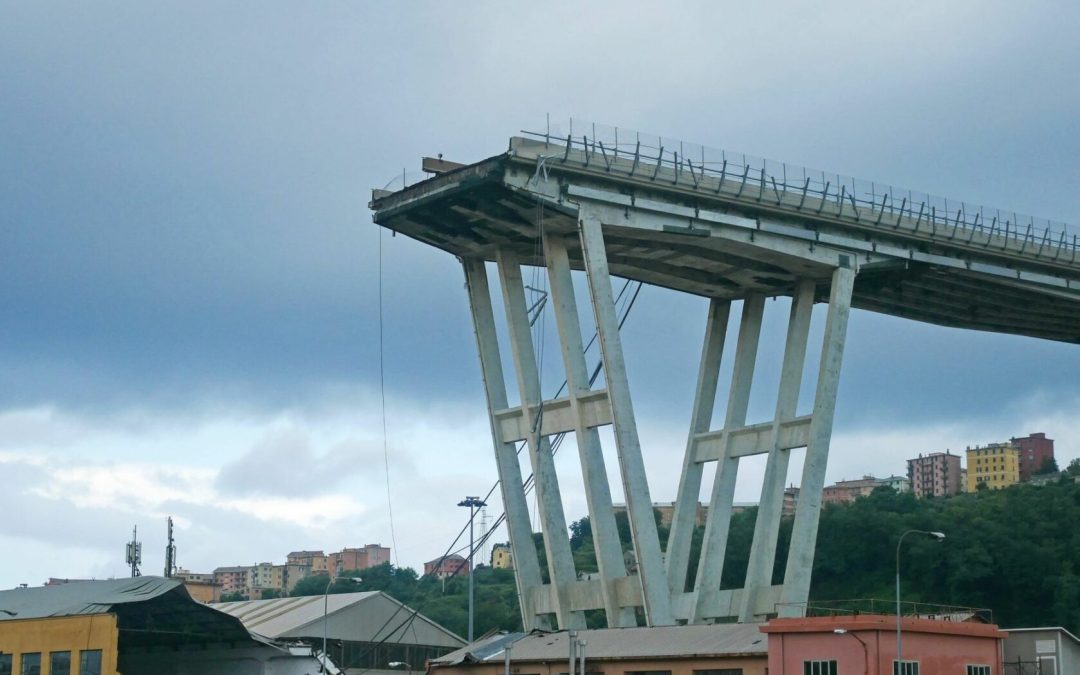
<point>365,631</point>
<point>137,626</point>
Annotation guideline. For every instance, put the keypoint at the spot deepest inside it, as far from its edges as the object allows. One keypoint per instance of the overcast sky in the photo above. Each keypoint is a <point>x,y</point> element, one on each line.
<point>189,274</point>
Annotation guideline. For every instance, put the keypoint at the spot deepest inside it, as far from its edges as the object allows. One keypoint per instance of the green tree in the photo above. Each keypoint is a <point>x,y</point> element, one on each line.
<point>233,597</point>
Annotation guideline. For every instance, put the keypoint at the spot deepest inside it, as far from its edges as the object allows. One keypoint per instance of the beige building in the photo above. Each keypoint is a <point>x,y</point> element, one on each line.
<point>936,474</point>
<point>315,561</point>
<point>501,557</point>
<point>201,587</point>
<point>727,649</point>
<point>996,465</point>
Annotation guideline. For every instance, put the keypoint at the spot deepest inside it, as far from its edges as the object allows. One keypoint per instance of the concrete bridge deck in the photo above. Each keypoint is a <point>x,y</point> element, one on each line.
<point>740,230</point>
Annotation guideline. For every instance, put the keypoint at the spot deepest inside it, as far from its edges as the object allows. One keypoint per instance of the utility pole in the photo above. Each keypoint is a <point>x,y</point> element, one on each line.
<point>170,553</point>
<point>472,503</point>
<point>134,552</point>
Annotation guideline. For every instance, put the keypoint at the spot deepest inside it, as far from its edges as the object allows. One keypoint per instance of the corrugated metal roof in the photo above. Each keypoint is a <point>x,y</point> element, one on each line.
<point>735,639</point>
<point>278,616</point>
<point>360,617</point>
<point>82,597</point>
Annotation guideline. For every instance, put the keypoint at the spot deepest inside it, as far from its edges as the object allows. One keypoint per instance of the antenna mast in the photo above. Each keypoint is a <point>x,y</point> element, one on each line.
<point>170,553</point>
<point>134,552</point>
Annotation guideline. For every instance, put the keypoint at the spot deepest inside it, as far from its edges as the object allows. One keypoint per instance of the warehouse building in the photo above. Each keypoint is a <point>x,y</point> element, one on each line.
<point>366,632</point>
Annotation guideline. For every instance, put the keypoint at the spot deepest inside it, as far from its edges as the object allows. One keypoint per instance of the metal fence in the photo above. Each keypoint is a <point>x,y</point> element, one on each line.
<point>785,185</point>
<point>920,610</point>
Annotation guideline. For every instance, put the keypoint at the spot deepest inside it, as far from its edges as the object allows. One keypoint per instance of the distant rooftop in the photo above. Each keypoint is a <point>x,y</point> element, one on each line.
<point>732,639</point>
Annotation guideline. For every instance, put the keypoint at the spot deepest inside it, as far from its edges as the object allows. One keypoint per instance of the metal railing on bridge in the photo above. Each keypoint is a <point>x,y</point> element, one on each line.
<point>819,193</point>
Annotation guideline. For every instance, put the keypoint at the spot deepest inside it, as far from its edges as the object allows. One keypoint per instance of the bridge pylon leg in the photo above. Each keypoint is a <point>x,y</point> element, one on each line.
<point>526,561</point>
<point>605,533</point>
<point>560,561</point>
<point>714,544</point>
<point>759,568</point>
<point>800,560</point>
<point>655,594</point>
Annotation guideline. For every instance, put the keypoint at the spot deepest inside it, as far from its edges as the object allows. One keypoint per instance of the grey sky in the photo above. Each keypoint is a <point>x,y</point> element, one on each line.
<point>188,270</point>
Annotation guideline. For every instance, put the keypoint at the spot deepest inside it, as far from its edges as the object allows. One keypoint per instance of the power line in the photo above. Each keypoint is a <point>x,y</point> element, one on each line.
<point>382,406</point>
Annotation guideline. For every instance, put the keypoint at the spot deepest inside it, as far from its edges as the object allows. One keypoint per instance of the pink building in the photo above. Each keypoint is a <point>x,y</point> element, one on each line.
<point>865,644</point>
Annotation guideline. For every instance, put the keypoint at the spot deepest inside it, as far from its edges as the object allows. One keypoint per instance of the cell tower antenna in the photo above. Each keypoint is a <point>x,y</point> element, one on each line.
<point>170,552</point>
<point>134,552</point>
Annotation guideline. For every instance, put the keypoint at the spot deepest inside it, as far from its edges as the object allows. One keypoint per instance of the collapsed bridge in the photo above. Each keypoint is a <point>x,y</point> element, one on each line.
<point>728,228</point>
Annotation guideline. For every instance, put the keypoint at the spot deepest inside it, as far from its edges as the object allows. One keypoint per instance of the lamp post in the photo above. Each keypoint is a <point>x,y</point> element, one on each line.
<point>899,638</point>
<point>9,612</point>
<point>865,651</point>
<point>326,604</point>
<point>472,503</point>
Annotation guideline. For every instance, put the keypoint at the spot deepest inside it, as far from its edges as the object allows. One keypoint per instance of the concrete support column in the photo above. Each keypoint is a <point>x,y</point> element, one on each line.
<point>686,503</point>
<point>654,586</point>
<point>714,545</point>
<point>560,562</point>
<point>526,562</point>
<point>759,569</point>
<point>605,533</point>
<point>800,562</point>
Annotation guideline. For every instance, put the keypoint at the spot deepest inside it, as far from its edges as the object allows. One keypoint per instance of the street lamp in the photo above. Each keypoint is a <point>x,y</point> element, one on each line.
<point>899,638</point>
<point>472,503</point>
<point>325,605</point>
<point>9,612</point>
<point>865,651</point>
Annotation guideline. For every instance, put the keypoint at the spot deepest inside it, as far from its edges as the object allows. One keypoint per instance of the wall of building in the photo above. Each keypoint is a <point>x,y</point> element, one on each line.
<point>246,661</point>
<point>940,647</point>
<point>1034,450</point>
<point>750,665</point>
<point>1056,652</point>
<point>73,634</point>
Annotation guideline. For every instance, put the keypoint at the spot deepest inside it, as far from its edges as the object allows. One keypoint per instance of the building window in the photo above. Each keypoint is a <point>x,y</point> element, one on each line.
<point>60,663</point>
<point>978,670</point>
<point>90,662</point>
<point>819,668</point>
<point>905,667</point>
<point>30,664</point>
<point>720,671</point>
<point>5,664</point>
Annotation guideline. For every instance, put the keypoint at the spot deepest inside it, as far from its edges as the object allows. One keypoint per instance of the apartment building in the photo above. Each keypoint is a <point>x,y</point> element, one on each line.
<point>448,566</point>
<point>996,465</point>
<point>936,474</point>
<point>315,561</point>
<point>846,491</point>
<point>361,558</point>
<point>1035,450</point>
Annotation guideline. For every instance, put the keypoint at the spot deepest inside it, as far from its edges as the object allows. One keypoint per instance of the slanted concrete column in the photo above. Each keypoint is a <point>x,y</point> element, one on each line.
<point>686,503</point>
<point>654,586</point>
<point>800,562</point>
<point>560,562</point>
<point>526,562</point>
<point>605,533</point>
<point>759,568</point>
<point>714,545</point>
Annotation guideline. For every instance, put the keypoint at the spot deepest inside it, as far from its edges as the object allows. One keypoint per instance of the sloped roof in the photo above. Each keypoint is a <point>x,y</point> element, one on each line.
<point>82,597</point>
<point>150,611</point>
<point>620,643</point>
<point>371,616</point>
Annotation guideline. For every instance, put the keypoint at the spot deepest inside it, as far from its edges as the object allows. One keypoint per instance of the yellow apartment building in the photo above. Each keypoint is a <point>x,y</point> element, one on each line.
<point>501,558</point>
<point>996,464</point>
